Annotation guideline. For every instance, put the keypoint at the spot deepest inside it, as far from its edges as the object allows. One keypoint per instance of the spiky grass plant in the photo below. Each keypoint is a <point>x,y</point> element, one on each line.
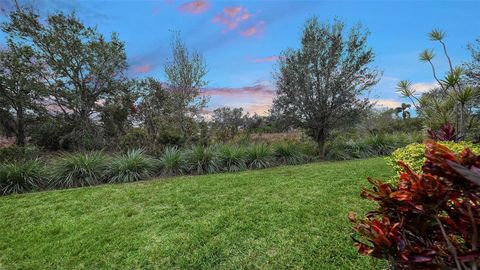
<point>173,161</point>
<point>79,169</point>
<point>20,177</point>
<point>288,153</point>
<point>203,159</point>
<point>133,166</point>
<point>258,156</point>
<point>232,158</point>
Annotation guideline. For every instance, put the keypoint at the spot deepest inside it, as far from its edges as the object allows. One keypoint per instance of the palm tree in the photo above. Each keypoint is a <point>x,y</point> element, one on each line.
<point>404,110</point>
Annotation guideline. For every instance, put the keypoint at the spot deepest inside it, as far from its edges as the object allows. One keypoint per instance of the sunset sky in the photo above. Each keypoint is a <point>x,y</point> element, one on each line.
<point>241,40</point>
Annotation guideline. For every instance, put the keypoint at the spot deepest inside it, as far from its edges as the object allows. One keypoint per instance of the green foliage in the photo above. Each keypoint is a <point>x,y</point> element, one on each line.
<point>203,159</point>
<point>173,161</point>
<point>304,79</point>
<point>413,154</point>
<point>79,169</point>
<point>258,156</point>
<point>288,153</point>
<point>52,133</point>
<point>344,148</point>
<point>130,167</point>
<point>232,158</point>
<point>20,177</point>
<point>135,138</point>
<point>15,153</point>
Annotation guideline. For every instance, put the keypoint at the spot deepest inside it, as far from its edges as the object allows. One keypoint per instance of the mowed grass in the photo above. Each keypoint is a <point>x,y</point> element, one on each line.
<point>289,217</point>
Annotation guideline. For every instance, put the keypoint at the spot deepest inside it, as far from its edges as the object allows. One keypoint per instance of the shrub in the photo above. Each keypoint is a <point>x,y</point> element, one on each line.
<point>232,158</point>
<point>413,154</point>
<point>288,153</point>
<point>258,156</point>
<point>203,159</point>
<point>135,138</point>
<point>20,177</point>
<point>17,153</point>
<point>445,133</point>
<point>173,161</point>
<point>130,167</point>
<point>79,169</point>
<point>369,146</point>
<point>430,220</point>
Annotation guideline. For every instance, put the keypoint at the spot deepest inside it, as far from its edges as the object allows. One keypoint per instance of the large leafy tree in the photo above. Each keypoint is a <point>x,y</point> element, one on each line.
<point>319,85</point>
<point>21,88</point>
<point>81,67</point>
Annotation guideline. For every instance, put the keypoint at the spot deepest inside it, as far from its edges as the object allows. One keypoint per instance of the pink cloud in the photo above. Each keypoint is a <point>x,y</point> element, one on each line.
<point>255,30</point>
<point>195,7</point>
<point>142,68</point>
<point>232,11</point>
<point>232,17</point>
<point>272,58</point>
<point>254,99</point>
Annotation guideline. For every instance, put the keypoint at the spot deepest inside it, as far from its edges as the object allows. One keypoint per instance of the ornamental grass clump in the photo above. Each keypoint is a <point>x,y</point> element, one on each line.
<point>258,156</point>
<point>288,153</point>
<point>79,169</point>
<point>132,166</point>
<point>20,177</point>
<point>429,220</point>
<point>232,158</point>
<point>173,161</point>
<point>203,159</point>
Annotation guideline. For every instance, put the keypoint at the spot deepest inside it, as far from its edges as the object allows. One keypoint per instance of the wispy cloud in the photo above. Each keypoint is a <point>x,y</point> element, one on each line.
<point>142,68</point>
<point>423,87</point>
<point>232,17</point>
<point>266,59</point>
<point>386,103</point>
<point>255,30</point>
<point>195,7</point>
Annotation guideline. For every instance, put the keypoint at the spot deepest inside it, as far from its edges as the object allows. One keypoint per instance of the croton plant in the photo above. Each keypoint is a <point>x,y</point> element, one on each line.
<point>428,220</point>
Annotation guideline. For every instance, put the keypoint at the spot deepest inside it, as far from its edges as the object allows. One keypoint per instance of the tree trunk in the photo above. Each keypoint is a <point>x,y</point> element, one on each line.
<point>20,127</point>
<point>321,138</point>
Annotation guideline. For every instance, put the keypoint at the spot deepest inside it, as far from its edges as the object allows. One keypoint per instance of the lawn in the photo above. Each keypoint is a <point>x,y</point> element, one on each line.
<point>278,218</point>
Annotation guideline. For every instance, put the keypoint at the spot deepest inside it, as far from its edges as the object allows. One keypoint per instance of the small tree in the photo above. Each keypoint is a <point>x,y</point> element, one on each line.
<point>21,89</point>
<point>227,121</point>
<point>452,100</point>
<point>403,109</point>
<point>185,77</point>
<point>319,85</point>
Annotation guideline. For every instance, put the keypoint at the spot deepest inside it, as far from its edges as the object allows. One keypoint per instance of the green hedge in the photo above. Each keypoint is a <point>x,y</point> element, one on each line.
<point>413,154</point>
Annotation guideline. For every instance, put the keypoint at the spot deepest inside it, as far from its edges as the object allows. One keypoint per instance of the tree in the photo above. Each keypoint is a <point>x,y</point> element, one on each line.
<point>403,109</point>
<point>227,121</point>
<point>472,68</point>
<point>185,77</point>
<point>81,67</point>
<point>319,85</point>
<point>21,89</point>
<point>454,98</point>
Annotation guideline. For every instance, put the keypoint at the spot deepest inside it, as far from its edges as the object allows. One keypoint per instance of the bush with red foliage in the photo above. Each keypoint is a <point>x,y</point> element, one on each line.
<point>446,133</point>
<point>429,220</point>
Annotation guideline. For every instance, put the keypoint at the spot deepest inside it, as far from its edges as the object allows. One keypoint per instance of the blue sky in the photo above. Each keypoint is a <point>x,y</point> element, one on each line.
<point>240,40</point>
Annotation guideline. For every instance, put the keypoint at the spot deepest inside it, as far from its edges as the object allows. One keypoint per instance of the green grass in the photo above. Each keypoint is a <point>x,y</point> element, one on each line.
<point>289,217</point>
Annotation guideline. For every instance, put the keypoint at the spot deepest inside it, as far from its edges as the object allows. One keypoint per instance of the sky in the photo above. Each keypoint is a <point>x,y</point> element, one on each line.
<point>241,40</point>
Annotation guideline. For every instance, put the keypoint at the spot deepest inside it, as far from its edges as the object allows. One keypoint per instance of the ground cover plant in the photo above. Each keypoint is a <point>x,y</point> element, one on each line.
<point>261,219</point>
